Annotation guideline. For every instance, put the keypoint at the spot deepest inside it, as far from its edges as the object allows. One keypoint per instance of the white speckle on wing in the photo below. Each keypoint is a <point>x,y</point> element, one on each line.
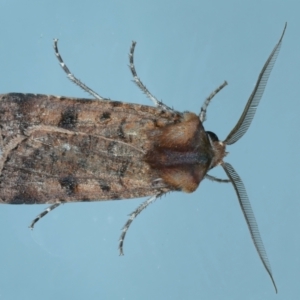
<point>66,147</point>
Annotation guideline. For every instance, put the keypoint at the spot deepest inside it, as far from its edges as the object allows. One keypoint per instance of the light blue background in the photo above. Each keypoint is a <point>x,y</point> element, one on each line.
<point>193,246</point>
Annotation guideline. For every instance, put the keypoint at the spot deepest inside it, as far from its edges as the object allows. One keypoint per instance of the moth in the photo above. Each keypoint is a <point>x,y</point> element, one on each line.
<point>60,149</point>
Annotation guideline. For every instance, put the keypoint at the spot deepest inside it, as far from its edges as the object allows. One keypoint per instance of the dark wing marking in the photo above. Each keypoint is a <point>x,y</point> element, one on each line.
<point>248,114</point>
<point>249,216</point>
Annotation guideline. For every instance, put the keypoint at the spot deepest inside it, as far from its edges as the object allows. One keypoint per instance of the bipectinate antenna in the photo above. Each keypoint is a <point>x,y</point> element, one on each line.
<point>249,217</point>
<point>249,111</point>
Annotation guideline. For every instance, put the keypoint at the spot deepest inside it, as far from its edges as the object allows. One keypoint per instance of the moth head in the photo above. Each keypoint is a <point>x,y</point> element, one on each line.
<point>218,148</point>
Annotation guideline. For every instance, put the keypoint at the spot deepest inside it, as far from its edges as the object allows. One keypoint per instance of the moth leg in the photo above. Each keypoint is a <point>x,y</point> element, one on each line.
<point>132,216</point>
<point>139,83</point>
<point>213,178</point>
<point>202,115</point>
<point>71,76</point>
<point>45,212</point>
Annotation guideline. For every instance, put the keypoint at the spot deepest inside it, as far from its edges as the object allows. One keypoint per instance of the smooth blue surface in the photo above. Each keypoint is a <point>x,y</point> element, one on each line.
<point>193,246</point>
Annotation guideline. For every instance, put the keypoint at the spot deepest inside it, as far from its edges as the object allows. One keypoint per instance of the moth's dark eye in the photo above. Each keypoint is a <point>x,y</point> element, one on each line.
<point>213,136</point>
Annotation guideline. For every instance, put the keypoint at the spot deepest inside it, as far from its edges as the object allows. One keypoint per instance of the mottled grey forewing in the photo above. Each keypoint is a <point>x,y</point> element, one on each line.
<point>59,149</point>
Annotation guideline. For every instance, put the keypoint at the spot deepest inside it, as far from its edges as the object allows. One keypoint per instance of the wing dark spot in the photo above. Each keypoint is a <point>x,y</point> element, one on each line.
<point>68,119</point>
<point>123,168</point>
<point>121,133</point>
<point>105,116</point>
<point>104,186</point>
<point>69,184</point>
